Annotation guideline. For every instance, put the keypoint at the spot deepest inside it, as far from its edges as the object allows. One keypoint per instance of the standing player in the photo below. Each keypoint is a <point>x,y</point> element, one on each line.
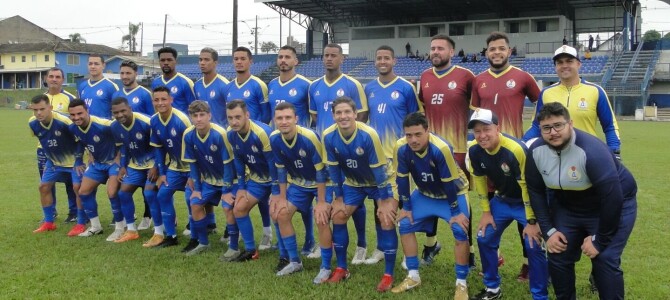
<point>138,97</point>
<point>290,87</point>
<point>299,162</point>
<point>132,133</point>
<point>357,166</point>
<point>59,148</point>
<point>501,159</point>
<point>250,140</point>
<point>179,86</point>
<point>322,93</point>
<point>98,90</point>
<point>503,89</point>
<point>391,99</point>
<point>248,87</point>
<point>95,134</point>
<point>441,192</point>
<point>167,129</point>
<point>212,87</point>
<point>445,92</point>
<point>207,150</point>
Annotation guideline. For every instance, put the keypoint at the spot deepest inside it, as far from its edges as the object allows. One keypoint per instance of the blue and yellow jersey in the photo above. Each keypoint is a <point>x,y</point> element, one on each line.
<point>356,155</point>
<point>293,91</point>
<point>390,103</point>
<point>505,167</point>
<point>135,142</point>
<point>98,139</point>
<point>60,101</point>
<point>434,171</point>
<point>56,139</point>
<point>138,98</point>
<point>254,92</point>
<point>322,94</point>
<point>214,93</point>
<point>587,103</point>
<point>301,156</point>
<point>98,96</point>
<point>209,153</point>
<point>181,90</point>
<point>254,151</point>
<point>168,134</point>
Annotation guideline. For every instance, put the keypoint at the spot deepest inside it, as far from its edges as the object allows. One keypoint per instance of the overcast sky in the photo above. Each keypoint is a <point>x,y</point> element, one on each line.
<point>198,23</point>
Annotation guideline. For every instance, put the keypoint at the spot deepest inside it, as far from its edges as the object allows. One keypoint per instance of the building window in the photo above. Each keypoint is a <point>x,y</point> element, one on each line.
<point>73,59</point>
<point>33,58</point>
<point>541,26</point>
<point>46,57</point>
<point>23,58</point>
<point>13,58</point>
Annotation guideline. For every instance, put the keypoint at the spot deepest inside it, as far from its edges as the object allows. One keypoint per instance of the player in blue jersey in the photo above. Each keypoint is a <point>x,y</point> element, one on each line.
<point>298,157</point>
<point>248,87</point>
<point>357,166</point>
<point>139,97</point>
<point>322,93</point>
<point>290,87</point>
<point>205,146</point>
<point>179,86</point>
<point>250,140</point>
<point>132,133</point>
<point>212,87</point>
<point>98,90</point>
<point>391,99</point>
<point>95,135</point>
<point>167,129</point>
<point>441,191</point>
<point>59,148</point>
<point>501,159</point>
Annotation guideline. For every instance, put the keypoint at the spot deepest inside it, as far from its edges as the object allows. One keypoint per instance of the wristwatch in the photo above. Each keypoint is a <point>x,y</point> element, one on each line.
<point>532,221</point>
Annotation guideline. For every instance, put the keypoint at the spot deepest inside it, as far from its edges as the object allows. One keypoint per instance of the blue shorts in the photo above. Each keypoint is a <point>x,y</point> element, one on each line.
<point>101,172</point>
<point>59,174</point>
<point>425,210</point>
<point>137,177</point>
<point>176,179</point>
<point>260,191</point>
<point>354,196</point>
<point>301,197</point>
<point>211,194</point>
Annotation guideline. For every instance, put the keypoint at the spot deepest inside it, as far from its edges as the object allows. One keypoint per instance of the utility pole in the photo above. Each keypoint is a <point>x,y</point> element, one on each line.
<point>141,37</point>
<point>256,37</point>
<point>234,26</point>
<point>164,30</point>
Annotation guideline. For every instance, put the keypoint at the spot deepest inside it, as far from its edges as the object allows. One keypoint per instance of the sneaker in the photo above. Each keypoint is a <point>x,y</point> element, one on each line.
<point>247,256</point>
<point>429,254</point>
<point>192,243</point>
<point>266,243</point>
<point>501,260</point>
<point>461,292</point>
<point>154,241</point>
<point>115,235</point>
<point>472,262</point>
<point>406,285</point>
<point>187,230</point>
<point>523,274</point>
<point>46,226</point>
<point>592,284</point>
<point>144,224</point>
<point>76,230</point>
<point>488,295</point>
<point>129,235</point>
<point>283,262</point>
<point>323,275</point>
<point>168,241</point>
<point>225,238</point>
<point>340,274</point>
<point>385,284</point>
<point>403,264</point>
<point>197,250</point>
<point>307,249</point>
<point>290,269</point>
<point>359,256</point>
<point>71,218</point>
<point>91,231</point>
<point>316,252</point>
<point>230,255</point>
<point>376,257</point>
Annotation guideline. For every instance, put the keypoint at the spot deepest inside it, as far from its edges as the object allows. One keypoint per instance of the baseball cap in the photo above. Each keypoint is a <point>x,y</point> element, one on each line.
<point>482,115</point>
<point>566,50</point>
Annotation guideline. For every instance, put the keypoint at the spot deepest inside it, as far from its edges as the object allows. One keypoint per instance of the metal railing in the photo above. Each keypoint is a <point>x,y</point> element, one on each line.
<point>631,65</point>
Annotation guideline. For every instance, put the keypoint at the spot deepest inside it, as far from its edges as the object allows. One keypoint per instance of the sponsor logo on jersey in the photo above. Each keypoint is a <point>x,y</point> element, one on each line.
<point>292,92</point>
<point>426,85</point>
<point>121,135</point>
<point>317,93</point>
<point>271,92</point>
<point>510,84</point>
<point>372,95</point>
<point>483,86</point>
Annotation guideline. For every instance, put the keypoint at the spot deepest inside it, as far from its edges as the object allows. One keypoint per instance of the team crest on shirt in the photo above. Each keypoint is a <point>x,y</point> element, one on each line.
<point>395,95</point>
<point>582,104</point>
<point>510,84</point>
<point>212,94</point>
<point>360,151</point>
<point>139,136</point>
<point>574,174</point>
<point>302,153</point>
<point>57,133</point>
<point>254,148</point>
<point>136,100</point>
<point>173,132</point>
<point>452,85</point>
<point>483,86</point>
<point>96,138</point>
<point>213,148</point>
<point>292,92</point>
<point>99,92</point>
<point>505,168</point>
<point>174,90</point>
<point>60,106</point>
<point>246,93</point>
<point>340,92</point>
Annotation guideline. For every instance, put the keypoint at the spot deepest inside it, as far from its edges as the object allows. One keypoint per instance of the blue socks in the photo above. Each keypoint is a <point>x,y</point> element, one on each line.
<point>90,205</point>
<point>81,216</point>
<point>341,243</point>
<point>166,203</point>
<point>264,209</point>
<point>326,257</point>
<point>292,248</point>
<point>49,213</point>
<point>154,206</point>
<point>280,243</point>
<point>359,223</point>
<point>389,245</point>
<point>412,262</point>
<point>200,228</point>
<point>234,236</point>
<point>308,220</point>
<point>127,206</point>
<point>247,231</point>
<point>461,271</point>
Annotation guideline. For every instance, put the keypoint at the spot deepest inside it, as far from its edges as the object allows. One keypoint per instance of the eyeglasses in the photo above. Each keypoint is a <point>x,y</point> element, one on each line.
<point>556,126</point>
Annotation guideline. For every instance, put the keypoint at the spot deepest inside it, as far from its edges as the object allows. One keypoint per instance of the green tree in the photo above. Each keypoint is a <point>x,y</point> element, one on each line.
<point>133,29</point>
<point>77,38</point>
<point>651,35</point>
<point>666,36</point>
<point>266,47</point>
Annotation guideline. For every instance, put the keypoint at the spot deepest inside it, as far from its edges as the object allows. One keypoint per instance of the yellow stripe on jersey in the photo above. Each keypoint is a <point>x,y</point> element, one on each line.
<point>401,142</point>
<point>183,144</point>
<point>448,157</point>
<point>361,94</point>
<point>264,87</point>
<point>376,143</point>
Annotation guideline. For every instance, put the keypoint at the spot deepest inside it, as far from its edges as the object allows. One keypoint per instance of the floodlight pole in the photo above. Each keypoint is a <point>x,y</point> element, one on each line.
<point>164,30</point>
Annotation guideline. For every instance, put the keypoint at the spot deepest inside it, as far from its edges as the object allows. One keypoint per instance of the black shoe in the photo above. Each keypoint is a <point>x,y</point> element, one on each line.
<point>169,241</point>
<point>247,256</point>
<point>487,295</point>
<point>592,283</point>
<point>190,246</point>
<point>211,228</point>
<point>472,262</point>
<point>429,253</point>
<point>283,262</point>
<point>71,218</point>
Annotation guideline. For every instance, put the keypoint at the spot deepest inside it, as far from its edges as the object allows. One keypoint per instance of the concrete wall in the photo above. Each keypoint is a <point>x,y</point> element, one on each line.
<point>39,62</point>
<point>72,69</point>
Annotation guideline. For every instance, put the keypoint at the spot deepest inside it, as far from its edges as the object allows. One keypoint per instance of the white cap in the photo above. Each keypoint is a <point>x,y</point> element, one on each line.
<point>565,50</point>
<point>482,115</point>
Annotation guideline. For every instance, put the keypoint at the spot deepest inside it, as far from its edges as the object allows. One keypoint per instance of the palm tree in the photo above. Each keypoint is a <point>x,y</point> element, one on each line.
<point>77,38</point>
<point>133,29</point>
